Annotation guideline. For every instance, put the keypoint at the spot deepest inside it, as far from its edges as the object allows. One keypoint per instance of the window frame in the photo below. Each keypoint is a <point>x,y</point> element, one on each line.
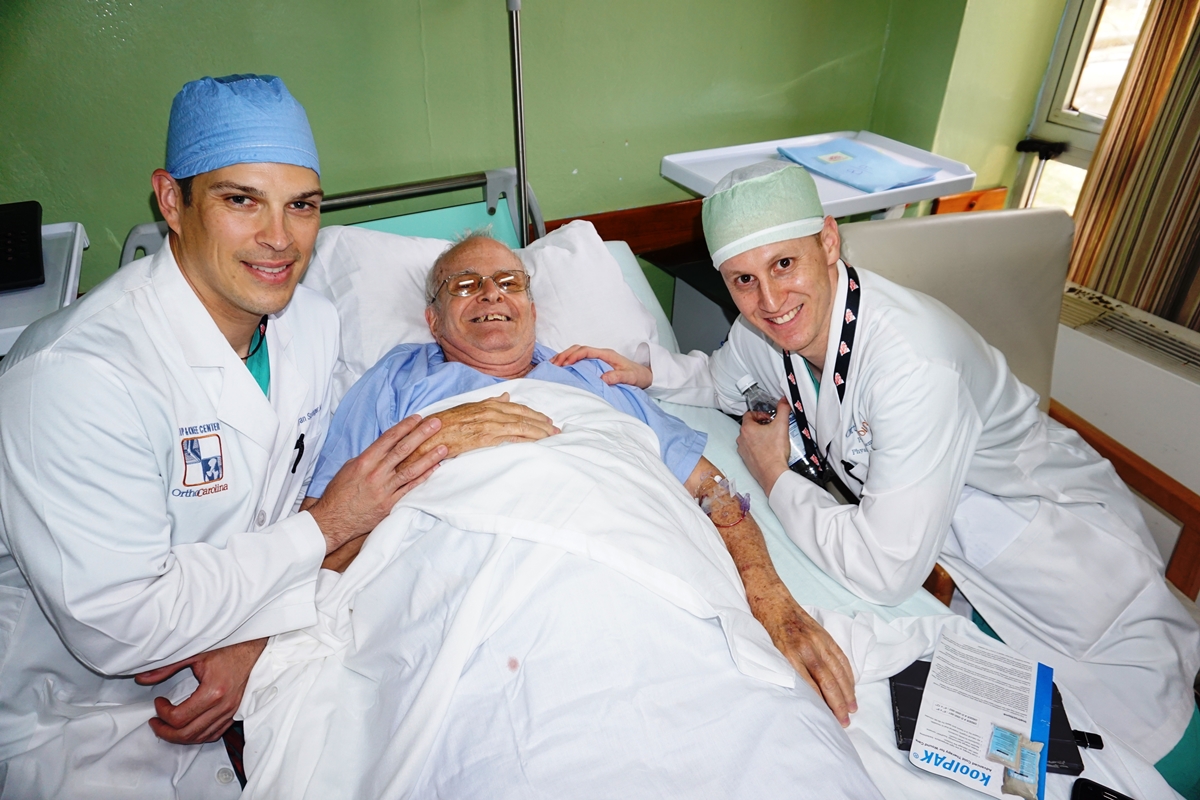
<point>1053,120</point>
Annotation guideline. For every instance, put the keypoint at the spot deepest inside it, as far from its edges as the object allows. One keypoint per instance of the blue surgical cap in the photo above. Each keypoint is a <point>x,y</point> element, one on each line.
<point>238,119</point>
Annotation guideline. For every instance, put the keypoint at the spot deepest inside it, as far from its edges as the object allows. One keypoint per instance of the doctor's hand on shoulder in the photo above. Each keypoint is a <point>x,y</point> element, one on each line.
<point>624,370</point>
<point>455,431</point>
<point>208,711</point>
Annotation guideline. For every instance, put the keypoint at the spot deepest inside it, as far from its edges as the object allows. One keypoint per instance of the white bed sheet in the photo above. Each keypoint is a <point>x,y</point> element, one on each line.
<point>578,638</point>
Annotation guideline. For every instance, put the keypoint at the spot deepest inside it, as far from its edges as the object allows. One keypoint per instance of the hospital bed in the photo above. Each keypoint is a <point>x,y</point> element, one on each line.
<point>1002,271</point>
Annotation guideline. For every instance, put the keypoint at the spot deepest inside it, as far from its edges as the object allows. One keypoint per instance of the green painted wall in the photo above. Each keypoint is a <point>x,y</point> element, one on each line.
<point>918,54</point>
<point>1003,51</point>
<point>401,90</point>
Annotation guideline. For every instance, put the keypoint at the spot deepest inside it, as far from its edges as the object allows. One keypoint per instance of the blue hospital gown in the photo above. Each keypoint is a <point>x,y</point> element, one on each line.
<point>413,376</point>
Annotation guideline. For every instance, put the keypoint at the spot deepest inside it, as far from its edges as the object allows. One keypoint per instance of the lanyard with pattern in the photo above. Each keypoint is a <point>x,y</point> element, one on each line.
<point>813,466</point>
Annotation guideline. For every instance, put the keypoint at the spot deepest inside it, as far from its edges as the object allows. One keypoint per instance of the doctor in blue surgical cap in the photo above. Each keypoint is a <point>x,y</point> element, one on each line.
<point>156,439</point>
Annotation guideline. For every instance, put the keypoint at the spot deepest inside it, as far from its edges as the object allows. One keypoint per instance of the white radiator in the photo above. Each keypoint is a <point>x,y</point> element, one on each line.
<point>1137,378</point>
<point>1156,340</point>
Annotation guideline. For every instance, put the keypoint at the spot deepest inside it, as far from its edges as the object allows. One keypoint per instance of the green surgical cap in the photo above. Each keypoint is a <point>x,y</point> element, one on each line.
<point>764,203</point>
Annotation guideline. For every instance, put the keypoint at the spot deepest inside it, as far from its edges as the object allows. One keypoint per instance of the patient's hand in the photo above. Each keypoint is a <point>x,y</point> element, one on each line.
<point>624,370</point>
<point>811,651</point>
<point>208,712</point>
<point>461,429</point>
<point>486,423</point>
<point>809,647</point>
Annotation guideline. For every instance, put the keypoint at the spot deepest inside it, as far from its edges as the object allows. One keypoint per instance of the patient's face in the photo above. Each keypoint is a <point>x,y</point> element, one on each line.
<point>491,331</point>
<point>785,289</point>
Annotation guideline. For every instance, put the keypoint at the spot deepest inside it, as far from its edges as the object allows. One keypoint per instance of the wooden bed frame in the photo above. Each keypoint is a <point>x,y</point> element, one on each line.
<point>671,236</point>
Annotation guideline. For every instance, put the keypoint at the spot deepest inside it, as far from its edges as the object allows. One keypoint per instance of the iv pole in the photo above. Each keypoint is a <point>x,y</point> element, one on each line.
<point>514,35</point>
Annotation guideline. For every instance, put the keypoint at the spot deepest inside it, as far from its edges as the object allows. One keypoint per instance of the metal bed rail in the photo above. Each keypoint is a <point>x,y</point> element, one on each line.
<point>403,191</point>
<point>494,182</point>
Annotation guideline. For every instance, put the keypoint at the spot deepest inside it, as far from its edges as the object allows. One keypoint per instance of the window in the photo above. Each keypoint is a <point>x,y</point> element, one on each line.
<point>1059,186</point>
<point>1095,41</point>
<point>1107,56</point>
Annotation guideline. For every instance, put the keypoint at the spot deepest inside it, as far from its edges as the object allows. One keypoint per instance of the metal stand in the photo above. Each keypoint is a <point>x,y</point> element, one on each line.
<point>514,34</point>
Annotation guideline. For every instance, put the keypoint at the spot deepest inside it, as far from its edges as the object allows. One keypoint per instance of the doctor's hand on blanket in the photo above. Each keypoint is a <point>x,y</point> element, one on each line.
<point>208,711</point>
<point>809,648</point>
<point>467,427</point>
<point>624,370</point>
<point>367,486</point>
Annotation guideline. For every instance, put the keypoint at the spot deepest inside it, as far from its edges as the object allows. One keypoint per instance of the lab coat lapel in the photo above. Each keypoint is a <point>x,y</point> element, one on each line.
<point>288,390</point>
<point>239,401</point>
<point>829,409</point>
<point>288,396</point>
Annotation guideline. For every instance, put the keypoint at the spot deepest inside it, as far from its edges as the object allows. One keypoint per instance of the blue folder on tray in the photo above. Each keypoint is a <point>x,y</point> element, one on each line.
<point>847,161</point>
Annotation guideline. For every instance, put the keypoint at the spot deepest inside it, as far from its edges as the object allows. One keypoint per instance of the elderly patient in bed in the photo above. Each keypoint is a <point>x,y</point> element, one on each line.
<point>625,660</point>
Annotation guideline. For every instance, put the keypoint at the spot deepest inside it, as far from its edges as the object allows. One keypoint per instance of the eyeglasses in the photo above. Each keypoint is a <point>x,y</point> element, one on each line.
<point>465,284</point>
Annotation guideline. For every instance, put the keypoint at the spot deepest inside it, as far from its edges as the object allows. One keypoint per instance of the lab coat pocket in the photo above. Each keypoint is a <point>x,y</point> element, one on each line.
<point>112,746</point>
<point>104,749</point>
<point>1065,580</point>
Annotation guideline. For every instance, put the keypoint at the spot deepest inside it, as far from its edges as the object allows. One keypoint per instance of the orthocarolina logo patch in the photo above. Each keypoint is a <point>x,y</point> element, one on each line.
<point>203,460</point>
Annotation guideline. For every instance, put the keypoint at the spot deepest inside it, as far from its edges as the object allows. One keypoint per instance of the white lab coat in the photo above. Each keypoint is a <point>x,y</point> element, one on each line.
<point>960,467</point>
<point>120,548</point>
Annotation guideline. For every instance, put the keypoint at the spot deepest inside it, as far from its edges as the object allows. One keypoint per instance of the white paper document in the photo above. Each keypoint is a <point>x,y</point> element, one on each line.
<point>983,706</point>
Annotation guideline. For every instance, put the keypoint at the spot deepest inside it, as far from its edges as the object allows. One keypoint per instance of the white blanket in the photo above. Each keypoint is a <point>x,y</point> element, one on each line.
<point>541,620</point>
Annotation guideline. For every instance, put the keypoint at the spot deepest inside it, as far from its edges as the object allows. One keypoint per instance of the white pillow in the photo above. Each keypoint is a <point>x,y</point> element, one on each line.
<point>581,295</point>
<point>377,282</point>
<point>635,279</point>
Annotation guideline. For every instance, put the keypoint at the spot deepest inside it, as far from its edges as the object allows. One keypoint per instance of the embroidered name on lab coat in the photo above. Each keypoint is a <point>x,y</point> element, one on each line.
<point>306,417</point>
<point>196,430</point>
<point>863,432</point>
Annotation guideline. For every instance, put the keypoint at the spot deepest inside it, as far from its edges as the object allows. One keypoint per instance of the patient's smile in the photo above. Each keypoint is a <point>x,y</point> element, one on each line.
<point>490,330</point>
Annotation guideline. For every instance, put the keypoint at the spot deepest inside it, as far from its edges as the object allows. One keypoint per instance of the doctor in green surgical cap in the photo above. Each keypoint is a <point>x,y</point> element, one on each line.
<point>947,460</point>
